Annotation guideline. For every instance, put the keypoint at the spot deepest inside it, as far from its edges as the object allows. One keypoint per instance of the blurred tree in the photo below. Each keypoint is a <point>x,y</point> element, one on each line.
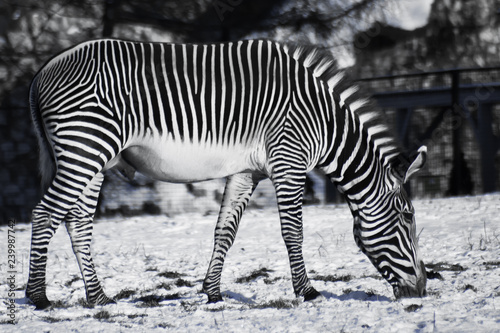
<point>329,24</point>
<point>459,33</point>
<point>30,33</point>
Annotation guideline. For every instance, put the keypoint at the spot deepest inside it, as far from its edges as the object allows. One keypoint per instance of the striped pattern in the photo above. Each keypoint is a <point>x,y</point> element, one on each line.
<point>219,82</point>
<point>185,112</point>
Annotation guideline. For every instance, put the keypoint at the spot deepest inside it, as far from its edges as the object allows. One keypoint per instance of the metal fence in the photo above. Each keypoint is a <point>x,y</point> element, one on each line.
<point>456,113</point>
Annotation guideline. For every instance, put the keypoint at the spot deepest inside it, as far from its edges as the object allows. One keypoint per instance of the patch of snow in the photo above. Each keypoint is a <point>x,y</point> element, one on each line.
<point>130,254</point>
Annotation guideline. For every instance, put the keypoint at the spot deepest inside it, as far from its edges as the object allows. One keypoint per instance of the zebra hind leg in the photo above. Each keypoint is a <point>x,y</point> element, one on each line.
<point>44,226</point>
<point>47,216</point>
<point>237,193</point>
<point>289,192</point>
<point>79,226</point>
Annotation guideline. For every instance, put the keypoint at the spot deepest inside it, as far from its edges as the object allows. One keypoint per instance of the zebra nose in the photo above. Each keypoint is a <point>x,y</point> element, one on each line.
<point>413,290</point>
<point>410,291</point>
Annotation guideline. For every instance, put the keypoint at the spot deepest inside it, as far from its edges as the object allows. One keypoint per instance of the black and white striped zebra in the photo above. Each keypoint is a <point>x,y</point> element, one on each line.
<point>185,112</point>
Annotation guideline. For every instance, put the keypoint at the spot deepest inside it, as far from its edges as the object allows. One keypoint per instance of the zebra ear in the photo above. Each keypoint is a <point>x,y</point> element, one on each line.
<point>417,164</point>
<point>404,168</point>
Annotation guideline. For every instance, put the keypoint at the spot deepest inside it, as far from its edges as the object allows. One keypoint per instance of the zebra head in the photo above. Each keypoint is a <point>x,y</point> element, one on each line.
<point>385,231</point>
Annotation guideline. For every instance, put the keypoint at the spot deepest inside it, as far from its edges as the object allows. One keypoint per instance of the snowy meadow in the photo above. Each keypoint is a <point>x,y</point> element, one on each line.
<point>153,266</point>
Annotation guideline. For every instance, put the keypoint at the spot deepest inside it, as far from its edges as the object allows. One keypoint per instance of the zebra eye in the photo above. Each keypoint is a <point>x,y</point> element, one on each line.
<point>408,216</point>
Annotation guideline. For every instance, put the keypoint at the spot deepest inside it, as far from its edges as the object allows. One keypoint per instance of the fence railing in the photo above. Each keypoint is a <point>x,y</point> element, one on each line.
<point>457,96</point>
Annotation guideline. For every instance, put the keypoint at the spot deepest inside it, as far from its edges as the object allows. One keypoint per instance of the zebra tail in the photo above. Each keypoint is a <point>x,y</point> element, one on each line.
<point>47,163</point>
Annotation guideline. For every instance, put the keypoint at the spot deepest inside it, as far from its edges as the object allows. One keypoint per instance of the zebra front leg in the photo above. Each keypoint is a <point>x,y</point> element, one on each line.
<point>237,192</point>
<point>79,226</point>
<point>289,193</point>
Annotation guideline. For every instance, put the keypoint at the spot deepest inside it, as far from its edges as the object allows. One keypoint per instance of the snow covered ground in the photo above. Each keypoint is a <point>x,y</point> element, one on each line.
<point>154,266</point>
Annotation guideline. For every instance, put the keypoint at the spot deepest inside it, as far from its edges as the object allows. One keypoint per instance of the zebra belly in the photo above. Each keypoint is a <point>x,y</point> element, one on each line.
<point>188,162</point>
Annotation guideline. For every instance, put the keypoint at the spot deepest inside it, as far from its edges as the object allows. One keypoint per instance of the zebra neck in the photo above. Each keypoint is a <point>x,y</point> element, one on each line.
<point>361,165</point>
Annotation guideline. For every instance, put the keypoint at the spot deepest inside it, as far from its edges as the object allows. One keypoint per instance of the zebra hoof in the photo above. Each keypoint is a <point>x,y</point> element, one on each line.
<point>311,295</point>
<point>108,301</point>
<point>105,301</point>
<point>101,300</point>
<point>214,299</point>
<point>42,304</point>
<point>40,301</point>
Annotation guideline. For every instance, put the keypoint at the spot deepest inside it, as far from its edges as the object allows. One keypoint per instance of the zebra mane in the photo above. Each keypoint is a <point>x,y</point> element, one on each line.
<point>324,67</point>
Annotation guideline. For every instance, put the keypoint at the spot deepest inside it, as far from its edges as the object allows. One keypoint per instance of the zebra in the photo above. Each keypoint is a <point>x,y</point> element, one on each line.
<point>245,110</point>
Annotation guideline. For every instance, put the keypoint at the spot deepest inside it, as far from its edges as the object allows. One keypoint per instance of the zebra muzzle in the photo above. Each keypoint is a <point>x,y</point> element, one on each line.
<point>413,290</point>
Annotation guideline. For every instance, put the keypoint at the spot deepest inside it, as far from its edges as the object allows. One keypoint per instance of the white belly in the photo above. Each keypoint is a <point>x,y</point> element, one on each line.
<point>190,162</point>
